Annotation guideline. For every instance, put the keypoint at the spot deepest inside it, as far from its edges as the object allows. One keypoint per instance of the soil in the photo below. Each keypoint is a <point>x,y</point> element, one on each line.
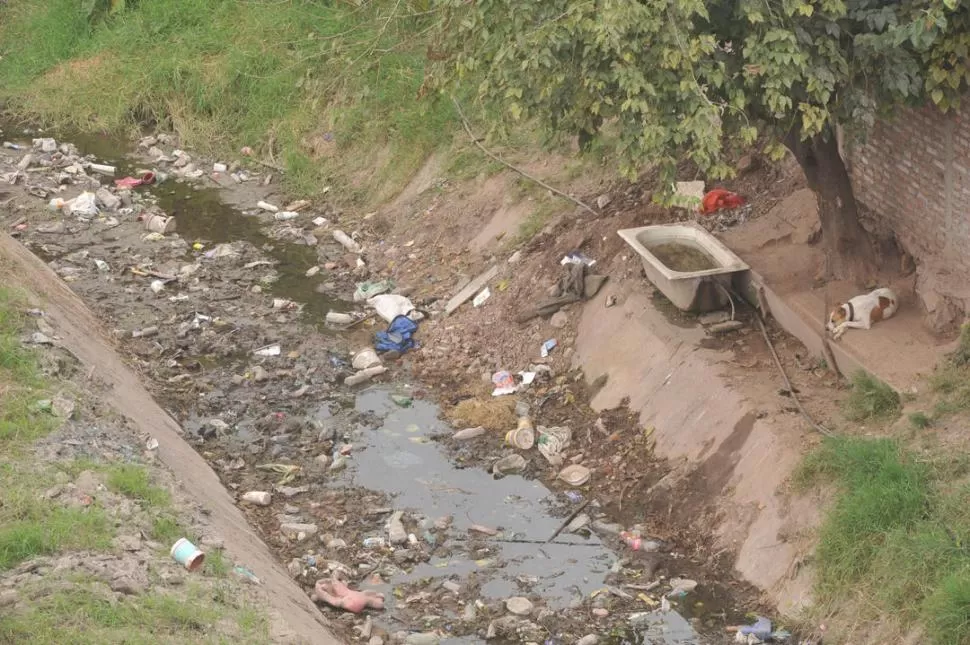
<point>339,461</point>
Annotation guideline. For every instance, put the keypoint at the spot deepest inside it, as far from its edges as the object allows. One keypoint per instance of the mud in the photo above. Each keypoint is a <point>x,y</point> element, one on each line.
<point>285,423</point>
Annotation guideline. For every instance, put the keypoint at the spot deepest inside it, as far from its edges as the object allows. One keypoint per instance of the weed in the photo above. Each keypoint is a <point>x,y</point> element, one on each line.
<point>85,617</point>
<point>870,399</point>
<point>330,90</point>
<point>166,529</point>
<point>43,529</point>
<point>961,356</point>
<point>133,481</point>
<point>920,420</point>
<point>215,563</point>
<point>946,611</point>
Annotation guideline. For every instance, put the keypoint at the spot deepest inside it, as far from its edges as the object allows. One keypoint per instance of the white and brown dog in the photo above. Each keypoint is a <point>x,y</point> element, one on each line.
<point>862,311</point>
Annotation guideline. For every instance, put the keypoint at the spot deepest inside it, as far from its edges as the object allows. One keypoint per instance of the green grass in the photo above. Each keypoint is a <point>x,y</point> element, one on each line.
<point>871,400</point>
<point>133,481</point>
<point>329,90</point>
<point>166,529</point>
<point>48,529</point>
<point>897,538</point>
<point>920,420</point>
<point>80,616</point>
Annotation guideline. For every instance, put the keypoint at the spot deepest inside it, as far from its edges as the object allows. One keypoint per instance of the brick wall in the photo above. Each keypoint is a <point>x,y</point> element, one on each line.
<point>913,172</point>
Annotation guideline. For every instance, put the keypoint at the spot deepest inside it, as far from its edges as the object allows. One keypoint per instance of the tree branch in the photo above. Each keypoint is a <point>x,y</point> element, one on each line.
<point>492,155</point>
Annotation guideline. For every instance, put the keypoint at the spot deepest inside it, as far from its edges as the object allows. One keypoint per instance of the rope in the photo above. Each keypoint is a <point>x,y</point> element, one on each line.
<point>781,370</point>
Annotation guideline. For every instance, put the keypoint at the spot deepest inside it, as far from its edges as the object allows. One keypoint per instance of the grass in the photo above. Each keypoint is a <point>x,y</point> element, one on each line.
<point>81,616</point>
<point>871,400</point>
<point>133,481</point>
<point>920,420</point>
<point>897,539</point>
<point>329,90</point>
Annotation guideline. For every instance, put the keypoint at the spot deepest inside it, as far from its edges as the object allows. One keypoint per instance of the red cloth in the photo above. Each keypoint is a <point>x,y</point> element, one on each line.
<point>720,199</point>
<point>130,182</point>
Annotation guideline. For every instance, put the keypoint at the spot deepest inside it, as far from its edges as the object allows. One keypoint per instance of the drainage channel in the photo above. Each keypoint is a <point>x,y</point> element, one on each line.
<point>336,460</point>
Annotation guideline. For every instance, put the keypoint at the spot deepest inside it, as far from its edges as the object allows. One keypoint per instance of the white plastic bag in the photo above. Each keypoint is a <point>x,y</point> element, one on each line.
<point>84,205</point>
<point>389,306</point>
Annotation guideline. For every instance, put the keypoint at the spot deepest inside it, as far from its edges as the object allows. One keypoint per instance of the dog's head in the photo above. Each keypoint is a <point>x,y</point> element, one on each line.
<point>837,317</point>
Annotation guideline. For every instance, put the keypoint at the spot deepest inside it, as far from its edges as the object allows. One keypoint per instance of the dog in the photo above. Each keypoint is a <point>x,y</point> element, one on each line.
<point>862,311</point>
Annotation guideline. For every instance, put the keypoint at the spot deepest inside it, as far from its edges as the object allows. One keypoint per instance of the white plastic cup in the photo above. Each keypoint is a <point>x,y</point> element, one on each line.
<point>187,554</point>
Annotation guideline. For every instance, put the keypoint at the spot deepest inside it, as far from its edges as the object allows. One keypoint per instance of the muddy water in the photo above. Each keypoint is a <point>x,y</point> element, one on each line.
<point>683,257</point>
<point>400,457</point>
<point>203,214</point>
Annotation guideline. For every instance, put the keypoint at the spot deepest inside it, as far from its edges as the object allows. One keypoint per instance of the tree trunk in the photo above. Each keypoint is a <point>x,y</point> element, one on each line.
<point>848,248</point>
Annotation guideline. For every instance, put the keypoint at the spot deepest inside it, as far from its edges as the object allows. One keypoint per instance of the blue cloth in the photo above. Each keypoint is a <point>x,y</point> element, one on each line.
<point>398,337</point>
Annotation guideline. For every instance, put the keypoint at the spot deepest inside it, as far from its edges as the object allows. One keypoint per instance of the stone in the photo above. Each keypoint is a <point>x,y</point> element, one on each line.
<point>451,586</point>
<point>128,542</point>
<point>395,528</point>
<point>108,200</point>
<point>726,327</point>
<point>603,201</point>
<point>559,320</point>
<point>600,612</point>
<point>519,606</point>
<point>128,585</point>
<point>294,567</point>
<point>323,459</point>
<point>336,543</point>
<point>746,164</point>
<point>375,640</point>
<point>426,638</point>
<point>295,528</point>
<point>588,639</point>
<point>260,374</point>
<point>8,597</point>
<point>601,526</point>
<point>87,482</point>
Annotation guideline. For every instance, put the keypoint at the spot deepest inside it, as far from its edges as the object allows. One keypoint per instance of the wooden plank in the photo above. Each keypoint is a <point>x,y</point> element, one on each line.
<point>470,290</point>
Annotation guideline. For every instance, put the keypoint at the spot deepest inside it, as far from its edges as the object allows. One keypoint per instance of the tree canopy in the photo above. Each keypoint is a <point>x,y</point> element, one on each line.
<point>686,79</point>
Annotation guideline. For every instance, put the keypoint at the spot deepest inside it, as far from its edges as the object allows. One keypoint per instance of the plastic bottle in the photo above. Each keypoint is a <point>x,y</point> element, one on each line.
<point>374,543</point>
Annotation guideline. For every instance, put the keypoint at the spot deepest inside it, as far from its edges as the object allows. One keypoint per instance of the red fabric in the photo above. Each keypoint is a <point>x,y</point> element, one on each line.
<point>131,182</point>
<point>720,199</point>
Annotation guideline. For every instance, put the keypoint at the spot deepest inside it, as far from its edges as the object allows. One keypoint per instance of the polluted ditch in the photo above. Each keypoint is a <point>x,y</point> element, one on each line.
<point>341,483</point>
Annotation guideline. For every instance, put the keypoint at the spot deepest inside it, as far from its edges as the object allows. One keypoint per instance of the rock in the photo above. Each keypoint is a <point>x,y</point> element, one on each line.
<point>395,529</point>
<point>554,291</point>
<point>469,433</point>
<point>513,463</point>
<point>339,463</point>
<point>294,528</point>
<point>559,320</point>
<point>87,482</point>
<point>62,407</point>
<point>108,200</point>
<point>515,257</point>
<point>600,612</point>
<point>291,491</point>
<point>451,586</point>
<point>603,201</point>
<point>128,542</point>
<point>588,639</point>
<point>579,522</point>
<point>519,606</point>
<point>323,459</point>
<point>294,567</point>
<point>470,613</point>
<point>427,638</point>
<point>260,375</point>
<point>128,585</point>
<point>747,163</point>
<point>8,597</point>
<point>336,543</point>
<point>375,640</point>
<point>258,497</point>
<point>403,556</point>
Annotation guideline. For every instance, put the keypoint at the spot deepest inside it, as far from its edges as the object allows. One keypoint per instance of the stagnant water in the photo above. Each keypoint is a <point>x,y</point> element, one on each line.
<point>401,458</point>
